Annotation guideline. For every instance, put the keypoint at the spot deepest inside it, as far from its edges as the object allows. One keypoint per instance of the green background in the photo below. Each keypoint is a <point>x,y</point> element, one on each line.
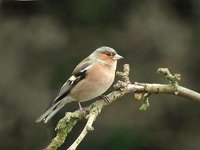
<point>42,41</point>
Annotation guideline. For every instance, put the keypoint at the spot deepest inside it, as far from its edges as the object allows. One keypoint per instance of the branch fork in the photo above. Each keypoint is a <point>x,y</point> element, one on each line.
<point>122,87</point>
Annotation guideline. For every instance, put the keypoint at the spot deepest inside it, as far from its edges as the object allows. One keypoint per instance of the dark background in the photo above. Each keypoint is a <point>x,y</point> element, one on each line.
<point>42,41</point>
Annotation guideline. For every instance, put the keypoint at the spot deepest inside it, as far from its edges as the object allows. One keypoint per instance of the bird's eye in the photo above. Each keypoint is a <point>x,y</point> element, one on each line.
<point>108,54</point>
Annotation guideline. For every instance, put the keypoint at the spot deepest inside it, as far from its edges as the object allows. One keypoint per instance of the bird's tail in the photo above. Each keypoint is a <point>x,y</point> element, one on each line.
<point>52,111</point>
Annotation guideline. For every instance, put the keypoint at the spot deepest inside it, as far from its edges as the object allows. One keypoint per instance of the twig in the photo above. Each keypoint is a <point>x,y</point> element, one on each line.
<point>88,127</point>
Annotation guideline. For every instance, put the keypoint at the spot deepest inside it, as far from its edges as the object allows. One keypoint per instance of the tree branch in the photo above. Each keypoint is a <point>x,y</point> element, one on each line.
<point>88,127</point>
<point>141,90</point>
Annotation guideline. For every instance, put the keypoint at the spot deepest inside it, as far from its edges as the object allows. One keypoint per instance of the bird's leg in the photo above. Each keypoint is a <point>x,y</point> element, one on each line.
<point>82,110</point>
<point>105,98</point>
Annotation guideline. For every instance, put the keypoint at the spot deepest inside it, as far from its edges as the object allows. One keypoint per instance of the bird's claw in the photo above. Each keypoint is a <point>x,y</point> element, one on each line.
<point>82,110</point>
<point>105,98</point>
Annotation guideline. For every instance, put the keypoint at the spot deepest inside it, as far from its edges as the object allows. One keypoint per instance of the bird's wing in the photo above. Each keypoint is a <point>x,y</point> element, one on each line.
<point>78,74</point>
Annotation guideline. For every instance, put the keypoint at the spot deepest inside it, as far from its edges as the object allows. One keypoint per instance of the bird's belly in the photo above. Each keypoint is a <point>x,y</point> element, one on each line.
<point>90,88</point>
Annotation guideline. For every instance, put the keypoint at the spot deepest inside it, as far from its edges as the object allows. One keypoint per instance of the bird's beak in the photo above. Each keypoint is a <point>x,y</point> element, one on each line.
<point>117,57</point>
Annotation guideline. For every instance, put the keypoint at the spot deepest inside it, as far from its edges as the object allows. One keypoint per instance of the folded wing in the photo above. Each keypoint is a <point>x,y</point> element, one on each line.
<point>78,74</point>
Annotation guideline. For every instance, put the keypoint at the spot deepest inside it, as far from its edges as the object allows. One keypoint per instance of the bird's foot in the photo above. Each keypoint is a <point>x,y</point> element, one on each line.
<point>105,98</point>
<point>82,110</point>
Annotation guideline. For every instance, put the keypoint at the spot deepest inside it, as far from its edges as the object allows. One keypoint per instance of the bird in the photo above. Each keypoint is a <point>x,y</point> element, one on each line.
<point>90,79</point>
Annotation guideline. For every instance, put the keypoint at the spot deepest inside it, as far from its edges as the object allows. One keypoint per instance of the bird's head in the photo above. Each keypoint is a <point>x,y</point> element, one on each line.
<point>105,55</point>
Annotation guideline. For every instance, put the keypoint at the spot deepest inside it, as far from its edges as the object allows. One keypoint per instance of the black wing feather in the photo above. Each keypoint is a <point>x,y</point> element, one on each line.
<point>69,84</point>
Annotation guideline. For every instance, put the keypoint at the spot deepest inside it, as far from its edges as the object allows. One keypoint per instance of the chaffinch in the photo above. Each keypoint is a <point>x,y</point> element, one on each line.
<point>90,79</point>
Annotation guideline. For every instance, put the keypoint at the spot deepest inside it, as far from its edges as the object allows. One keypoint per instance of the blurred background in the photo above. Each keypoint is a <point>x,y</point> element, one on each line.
<point>42,41</point>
